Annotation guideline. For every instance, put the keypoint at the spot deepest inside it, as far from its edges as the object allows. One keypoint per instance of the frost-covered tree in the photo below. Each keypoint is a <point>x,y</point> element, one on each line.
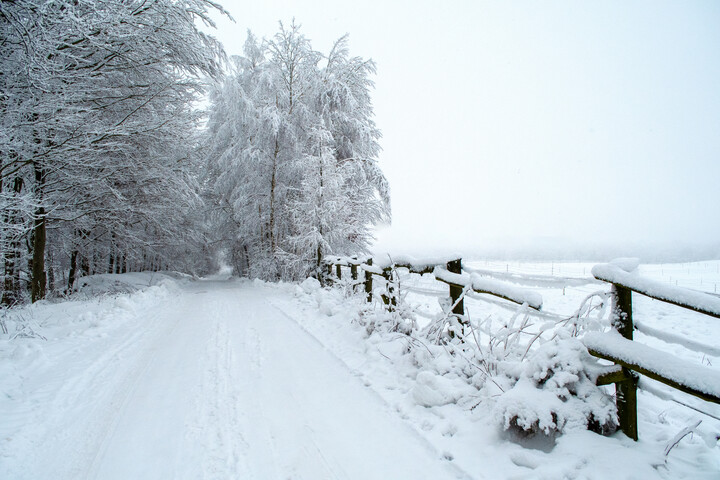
<point>97,127</point>
<point>293,155</point>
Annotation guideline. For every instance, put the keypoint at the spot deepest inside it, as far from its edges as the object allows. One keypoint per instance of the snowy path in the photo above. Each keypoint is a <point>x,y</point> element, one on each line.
<point>221,384</point>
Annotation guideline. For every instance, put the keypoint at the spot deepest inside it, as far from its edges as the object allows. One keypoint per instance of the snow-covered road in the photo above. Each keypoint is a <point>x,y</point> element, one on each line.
<point>213,381</point>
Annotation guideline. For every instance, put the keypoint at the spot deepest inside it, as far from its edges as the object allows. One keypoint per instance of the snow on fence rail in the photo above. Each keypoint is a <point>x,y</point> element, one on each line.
<point>701,382</point>
<point>445,269</point>
<point>682,297</point>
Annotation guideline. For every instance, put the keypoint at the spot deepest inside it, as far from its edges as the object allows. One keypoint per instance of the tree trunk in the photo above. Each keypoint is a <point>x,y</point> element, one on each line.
<point>319,220</point>
<point>273,184</point>
<point>73,270</point>
<point>38,280</point>
<point>111,255</point>
<point>50,272</point>
<point>11,284</point>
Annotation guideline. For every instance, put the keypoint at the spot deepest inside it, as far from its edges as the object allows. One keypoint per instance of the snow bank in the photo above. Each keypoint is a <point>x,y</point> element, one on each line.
<point>111,283</point>
<point>431,390</point>
<point>310,285</point>
<point>53,349</point>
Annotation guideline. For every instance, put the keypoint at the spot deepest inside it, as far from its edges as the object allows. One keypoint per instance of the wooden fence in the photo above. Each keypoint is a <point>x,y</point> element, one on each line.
<point>446,271</point>
<point>630,358</point>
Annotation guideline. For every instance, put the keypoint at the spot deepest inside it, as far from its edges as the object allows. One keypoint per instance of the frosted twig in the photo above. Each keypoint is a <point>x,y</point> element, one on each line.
<point>682,434</point>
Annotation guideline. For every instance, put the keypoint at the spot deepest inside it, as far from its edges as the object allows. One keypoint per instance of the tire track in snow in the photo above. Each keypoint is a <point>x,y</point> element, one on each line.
<point>158,434</point>
<point>313,416</point>
<point>219,413</point>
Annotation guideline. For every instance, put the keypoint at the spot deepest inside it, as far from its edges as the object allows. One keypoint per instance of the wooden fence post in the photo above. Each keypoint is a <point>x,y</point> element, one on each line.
<point>390,300</point>
<point>455,266</point>
<point>368,282</point>
<point>392,294</point>
<point>353,275</point>
<point>338,269</point>
<point>625,391</point>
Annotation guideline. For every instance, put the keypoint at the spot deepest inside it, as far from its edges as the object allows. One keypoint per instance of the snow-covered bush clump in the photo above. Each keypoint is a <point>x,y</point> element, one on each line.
<point>552,391</point>
<point>388,312</point>
<point>400,319</point>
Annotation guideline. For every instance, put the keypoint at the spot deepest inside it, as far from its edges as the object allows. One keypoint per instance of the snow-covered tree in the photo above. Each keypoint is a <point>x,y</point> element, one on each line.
<point>97,123</point>
<point>293,155</point>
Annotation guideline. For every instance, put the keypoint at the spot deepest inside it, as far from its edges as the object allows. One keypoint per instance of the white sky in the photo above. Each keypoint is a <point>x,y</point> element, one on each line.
<point>542,122</point>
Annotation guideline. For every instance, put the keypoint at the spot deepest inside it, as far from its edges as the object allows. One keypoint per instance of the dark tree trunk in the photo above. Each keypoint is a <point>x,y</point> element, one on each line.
<point>37,278</point>
<point>50,272</point>
<point>73,270</point>
<point>111,255</point>
<point>11,285</point>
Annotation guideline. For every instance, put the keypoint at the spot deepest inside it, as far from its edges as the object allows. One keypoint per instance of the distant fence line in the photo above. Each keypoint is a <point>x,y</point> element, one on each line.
<point>630,358</point>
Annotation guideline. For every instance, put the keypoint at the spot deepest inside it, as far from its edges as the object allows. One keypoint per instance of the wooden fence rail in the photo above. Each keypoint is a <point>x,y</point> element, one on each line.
<point>634,358</point>
<point>446,271</point>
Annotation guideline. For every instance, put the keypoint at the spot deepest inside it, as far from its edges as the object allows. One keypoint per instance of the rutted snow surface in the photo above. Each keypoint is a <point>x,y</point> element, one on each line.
<point>209,382</point>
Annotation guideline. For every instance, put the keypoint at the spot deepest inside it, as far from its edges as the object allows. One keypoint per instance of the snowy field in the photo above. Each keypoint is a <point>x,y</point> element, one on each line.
<point>158,376</point>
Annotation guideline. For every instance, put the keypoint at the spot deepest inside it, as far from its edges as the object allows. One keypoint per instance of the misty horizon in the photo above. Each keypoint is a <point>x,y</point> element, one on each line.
<point>560,249</point>
<point>595,125</point>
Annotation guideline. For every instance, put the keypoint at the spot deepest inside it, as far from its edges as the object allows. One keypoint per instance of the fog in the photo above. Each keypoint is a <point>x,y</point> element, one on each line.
<point>563,130</point>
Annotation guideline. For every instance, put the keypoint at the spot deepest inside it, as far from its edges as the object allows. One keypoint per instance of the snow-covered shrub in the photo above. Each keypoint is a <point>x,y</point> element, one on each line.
<point>531,372</point>
<point>376,317</point>
<point>554,392</point>
<point>447,327</point>
<point>532,375</point>
<point>389,311</point>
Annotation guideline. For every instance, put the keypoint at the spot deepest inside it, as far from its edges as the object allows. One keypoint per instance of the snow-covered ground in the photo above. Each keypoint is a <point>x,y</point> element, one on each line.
<point>202,379</point>
<point>169,377</point>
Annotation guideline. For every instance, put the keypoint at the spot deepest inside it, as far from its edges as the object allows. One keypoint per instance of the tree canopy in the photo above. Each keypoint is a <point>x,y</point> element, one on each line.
<point>293,155</point>
<point>98,131</point>
<point>107,163</point>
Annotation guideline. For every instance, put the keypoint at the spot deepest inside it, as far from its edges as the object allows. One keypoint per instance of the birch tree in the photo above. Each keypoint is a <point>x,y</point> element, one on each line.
<point>294,155</point>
